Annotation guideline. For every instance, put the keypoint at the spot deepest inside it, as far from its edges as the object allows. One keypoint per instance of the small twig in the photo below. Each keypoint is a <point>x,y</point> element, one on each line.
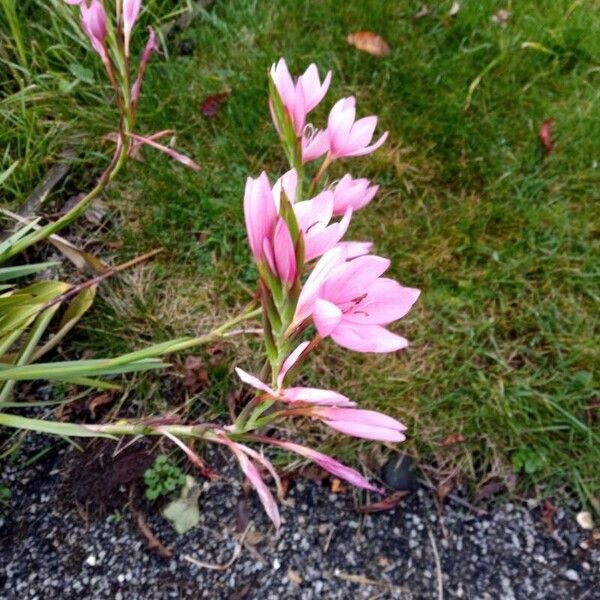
<point>438,565</point>
<point>329,538</point>
<point>480,512</point>
<point>364,580</point>
<point>153,542</point>
<point>75,289</point>
<point>215,567</point>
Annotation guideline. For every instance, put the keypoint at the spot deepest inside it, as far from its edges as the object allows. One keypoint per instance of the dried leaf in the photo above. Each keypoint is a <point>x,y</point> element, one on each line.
<point>545,134</point>
<point>97,402</point>
<point>452,439</point>
<point>489,490</point>
<point>184,513</point>
<point>388,503</point>
<point>443,489</point>
<point>548,515</point>
<point>195,375</point>
<point>211,105</point>
<point>369,42</point>
<point>584,519</point>
<point>337,487</point>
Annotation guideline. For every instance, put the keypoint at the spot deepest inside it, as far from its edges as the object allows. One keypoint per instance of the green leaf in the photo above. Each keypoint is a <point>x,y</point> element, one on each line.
<point>81,73</point>
<point>8,273</point>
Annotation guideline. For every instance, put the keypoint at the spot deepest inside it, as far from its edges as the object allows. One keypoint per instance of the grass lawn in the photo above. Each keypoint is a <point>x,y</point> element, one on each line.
<point>502,238</point>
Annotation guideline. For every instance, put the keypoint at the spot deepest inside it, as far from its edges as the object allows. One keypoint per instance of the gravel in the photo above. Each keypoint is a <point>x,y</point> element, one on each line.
<point>50,548</point>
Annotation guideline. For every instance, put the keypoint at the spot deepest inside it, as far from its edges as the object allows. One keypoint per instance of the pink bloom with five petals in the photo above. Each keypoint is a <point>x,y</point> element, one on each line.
<point>353,193</point>
<point>350,301</point>
<point>301,96</point>
<point>348,137</point>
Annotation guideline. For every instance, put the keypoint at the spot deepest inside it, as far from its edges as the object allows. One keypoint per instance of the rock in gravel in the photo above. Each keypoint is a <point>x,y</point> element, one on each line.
<point>399,473</point>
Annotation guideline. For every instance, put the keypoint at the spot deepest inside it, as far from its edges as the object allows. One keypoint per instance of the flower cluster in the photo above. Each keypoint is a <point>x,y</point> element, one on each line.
<point>111,40</point>
<point>310,276</point>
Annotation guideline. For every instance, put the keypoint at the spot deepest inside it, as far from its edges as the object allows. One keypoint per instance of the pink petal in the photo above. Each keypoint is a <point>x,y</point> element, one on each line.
<point>315,145</point>
<point>356,249</point>
<point>314,91</point>
<point>370,148</point>
<point>362,132</point>
<point>255,382</point>
<point>184,160</point>
<point>131,11</point>
<point>316,396</point>
<point>326,317</point>
<point>151,46</point>
<point>264,494</point>
<point>329,261</point>
<point>339,124</point>
<point>259,212</point>
<point>367,338</point>
<point>285,254</point>
<point>368,432</point>
<point>290,361</point>
<point>349,281</point>
<point>359,415</point>
<point>356,193</point>
<point>386,302</point>
<point>329,464</point>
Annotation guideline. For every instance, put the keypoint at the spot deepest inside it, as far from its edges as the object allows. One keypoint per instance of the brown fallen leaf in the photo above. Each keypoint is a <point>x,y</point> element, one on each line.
<point>98,401</point>
<point>452,439</point>
<point>195,374</point>
<point>545,135</point>
<point>369,42</point>
<point>548,515</point>
<point>388,503</point>
<point>443,489</point>
<point>489,490</point>
<point>211,105</point>
<point>337,487</point>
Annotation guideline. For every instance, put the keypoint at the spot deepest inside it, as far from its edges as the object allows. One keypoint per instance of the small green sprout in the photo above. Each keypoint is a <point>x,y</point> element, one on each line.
<point>162,478</point>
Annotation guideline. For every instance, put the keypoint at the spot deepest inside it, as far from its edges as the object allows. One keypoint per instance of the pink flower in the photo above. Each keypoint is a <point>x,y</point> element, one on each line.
<point>368,424</point>
<point>280,253</point>
<point>131,11</point>
<point>315,143</point>
<point>151,46</point>
<point>93,21</point>
<point>260,213</point>
<point>251,472</point>
<point>268,234</point>
<point>314,218</point>
<point>350,301</point>
<point>74,2</point>
<point>301,96</point>
<point>353,193</point>
<point>348,137</point>
<point>325,462</point>
<point>295,395</point>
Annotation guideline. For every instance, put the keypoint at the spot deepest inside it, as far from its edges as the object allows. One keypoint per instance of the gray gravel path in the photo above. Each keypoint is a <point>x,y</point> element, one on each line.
<point>48,549</point>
